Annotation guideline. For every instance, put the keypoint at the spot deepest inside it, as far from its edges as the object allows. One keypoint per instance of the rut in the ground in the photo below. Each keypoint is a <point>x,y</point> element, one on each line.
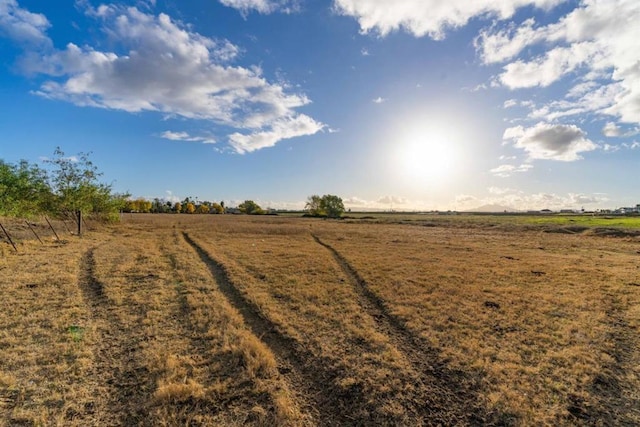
<point>308,374</point>
<point>448,398</point>
<point>117,369</point>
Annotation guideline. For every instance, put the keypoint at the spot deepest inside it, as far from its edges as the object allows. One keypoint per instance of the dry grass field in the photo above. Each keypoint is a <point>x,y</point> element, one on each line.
<point>203,320</point>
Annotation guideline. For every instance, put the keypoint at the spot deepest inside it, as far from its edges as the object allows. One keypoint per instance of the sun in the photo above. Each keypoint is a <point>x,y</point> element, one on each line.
<point>426,156</point>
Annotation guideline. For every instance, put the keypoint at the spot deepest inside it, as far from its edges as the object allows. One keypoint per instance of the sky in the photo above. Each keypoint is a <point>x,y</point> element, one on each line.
<point>403,104</point>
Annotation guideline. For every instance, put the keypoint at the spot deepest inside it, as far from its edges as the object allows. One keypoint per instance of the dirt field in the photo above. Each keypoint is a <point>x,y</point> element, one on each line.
<point>207,320</point>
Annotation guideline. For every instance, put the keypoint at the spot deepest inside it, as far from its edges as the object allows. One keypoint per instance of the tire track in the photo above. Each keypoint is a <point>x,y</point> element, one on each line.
<point>117,368</point>
<point>198,343</point>
<point>448,396</point>
<point>308,374</point>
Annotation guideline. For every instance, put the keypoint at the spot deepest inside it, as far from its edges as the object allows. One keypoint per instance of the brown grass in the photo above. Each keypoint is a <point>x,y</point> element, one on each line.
<point>253,321</point>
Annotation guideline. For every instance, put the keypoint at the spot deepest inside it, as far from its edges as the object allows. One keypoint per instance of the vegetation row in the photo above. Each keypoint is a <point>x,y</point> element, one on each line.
<point>70,185</point>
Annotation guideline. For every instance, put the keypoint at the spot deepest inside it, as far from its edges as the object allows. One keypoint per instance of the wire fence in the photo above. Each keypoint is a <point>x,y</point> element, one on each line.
<point>42,230</point>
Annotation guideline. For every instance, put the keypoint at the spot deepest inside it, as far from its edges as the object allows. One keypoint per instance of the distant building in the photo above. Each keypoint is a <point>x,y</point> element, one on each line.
<point>627,210</point>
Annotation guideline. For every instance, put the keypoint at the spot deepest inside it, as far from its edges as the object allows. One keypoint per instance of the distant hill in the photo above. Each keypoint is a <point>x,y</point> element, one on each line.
<point>492,208</point>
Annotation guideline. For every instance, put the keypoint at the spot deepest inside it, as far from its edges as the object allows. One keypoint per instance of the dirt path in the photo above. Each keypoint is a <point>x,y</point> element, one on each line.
<point>308,375</point>
<point>123,383</point>
<point>445,396</point>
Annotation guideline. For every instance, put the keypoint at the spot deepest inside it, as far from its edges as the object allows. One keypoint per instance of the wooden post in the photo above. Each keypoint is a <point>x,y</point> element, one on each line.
<point>79,215</point>
<point>9,237</point>
<point>34,231</point>
<point>52,229</point>
<point>65,222</point>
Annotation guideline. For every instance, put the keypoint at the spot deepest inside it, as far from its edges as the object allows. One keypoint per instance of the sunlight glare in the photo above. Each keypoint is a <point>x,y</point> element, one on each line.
<point>426,156</point>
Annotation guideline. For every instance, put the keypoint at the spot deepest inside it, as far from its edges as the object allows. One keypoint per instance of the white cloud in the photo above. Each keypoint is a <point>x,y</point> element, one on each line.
<point>505,171</point>
<point>597,43</point>
<point>611,130</point>
<point>385,203</point>
<point>379,100</point>
<point>356,201</point>
<point>170,197</point>
<point>498,45</point>
<point>632,146</point>
<point>523,201</point>
<point>510,103</point>
<point>550,141</point>
<point>23,26</point>
<point>547,69</point>
<point>392,200</point>
<point>161,65</point>
<point>610,148</point>
<point>262,6</point>
<point>428,17</point>
<point>500,190</point>
<point>286,128</point>
<point>184,136</point>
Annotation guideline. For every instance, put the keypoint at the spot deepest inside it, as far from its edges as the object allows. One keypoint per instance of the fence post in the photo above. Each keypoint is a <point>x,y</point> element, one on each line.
<point>79,215</point>
<point>9,237</point>
<point>33,231</point>
<point>52,229</point>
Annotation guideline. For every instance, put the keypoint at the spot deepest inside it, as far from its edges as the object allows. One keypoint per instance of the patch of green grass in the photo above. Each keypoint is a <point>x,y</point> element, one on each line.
<point>77,332</point>
<point>586,220</point>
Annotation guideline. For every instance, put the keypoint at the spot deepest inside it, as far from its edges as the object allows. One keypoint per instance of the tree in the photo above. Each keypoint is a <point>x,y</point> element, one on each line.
<point>75,186</point>
<point>332,206</point>
<point>313,206</point>
<point>177,208</point>
<point>250,207</point>
<point>190,208</point>
<point>326,206</point>
<point>24,190</point>
<point>158,206</point>
<point>138,205</point>
<point>203,209</point>
<point>217,208</point>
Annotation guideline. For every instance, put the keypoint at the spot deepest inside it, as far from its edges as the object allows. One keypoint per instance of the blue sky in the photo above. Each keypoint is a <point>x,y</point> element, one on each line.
<point>412,104</point>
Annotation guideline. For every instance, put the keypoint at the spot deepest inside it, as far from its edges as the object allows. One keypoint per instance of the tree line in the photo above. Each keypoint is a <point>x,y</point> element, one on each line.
<point>329,206</point>
<point>68,185</point>
<point>71,185</point>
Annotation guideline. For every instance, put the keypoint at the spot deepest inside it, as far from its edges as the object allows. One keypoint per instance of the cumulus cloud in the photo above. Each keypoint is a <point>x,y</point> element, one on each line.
<point>428,17</point>
<point>505,171</point>
<point>286,128</point>
<point>262,6</point>
<point>23,26</point>
<point>379,100</point>
<point>596,43</point>
<point>384,203</point>
<point>184,136</point>
<point>547,69</point>
<point>392,200</point>
<point>611,130</point>
<point>550,141</point>
<point>500,190</point>
<point>523,201</point>
<point>509,103</point>
<point>160,65</point>
<point>356,201</point>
